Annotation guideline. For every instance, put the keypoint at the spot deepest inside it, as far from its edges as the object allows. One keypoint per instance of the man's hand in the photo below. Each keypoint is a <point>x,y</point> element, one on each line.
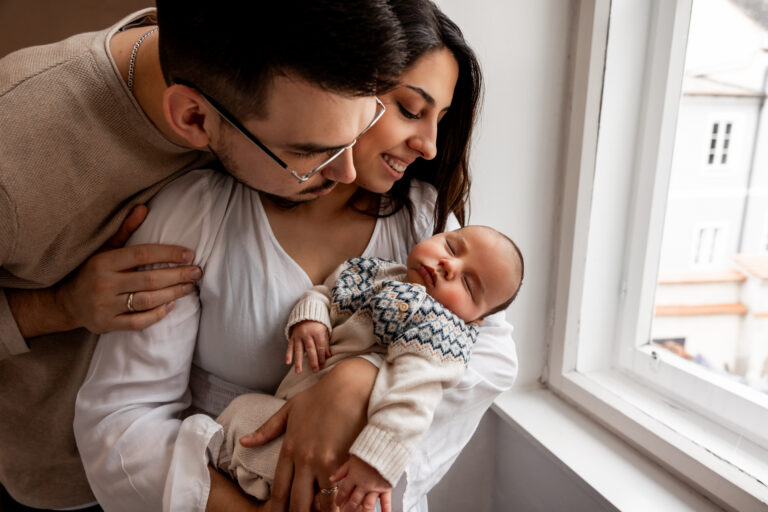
<point>320,425</point>
<point>361,487</point>
<point>95,296</point>
<point>312,337</point>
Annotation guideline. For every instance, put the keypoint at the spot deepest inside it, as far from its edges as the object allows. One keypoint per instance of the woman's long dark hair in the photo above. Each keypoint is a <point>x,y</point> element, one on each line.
<point>426,29</point>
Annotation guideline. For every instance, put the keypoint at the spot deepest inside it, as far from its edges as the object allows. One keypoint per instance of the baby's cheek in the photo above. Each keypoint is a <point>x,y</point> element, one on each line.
<point>451,299</point>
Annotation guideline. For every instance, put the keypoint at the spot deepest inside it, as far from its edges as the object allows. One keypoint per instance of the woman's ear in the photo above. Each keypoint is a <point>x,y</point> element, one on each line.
<point>188,114</point>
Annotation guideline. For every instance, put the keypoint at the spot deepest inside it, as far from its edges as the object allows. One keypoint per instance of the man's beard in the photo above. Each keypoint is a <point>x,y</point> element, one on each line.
<point>287,203</point>
<point>304,196</point>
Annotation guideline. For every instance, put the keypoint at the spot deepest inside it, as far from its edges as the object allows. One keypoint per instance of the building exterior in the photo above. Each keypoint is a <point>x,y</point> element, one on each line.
<point>712,295</point>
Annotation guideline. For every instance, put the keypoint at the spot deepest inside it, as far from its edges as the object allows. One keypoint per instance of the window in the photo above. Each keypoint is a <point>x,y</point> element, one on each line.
<point>707,245</point>
<point>629,64</point>
<point>764,236</point>
<point>719,142</point>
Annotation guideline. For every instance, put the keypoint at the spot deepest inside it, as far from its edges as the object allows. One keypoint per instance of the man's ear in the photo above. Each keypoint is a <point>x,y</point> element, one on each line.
<point>188,114</point>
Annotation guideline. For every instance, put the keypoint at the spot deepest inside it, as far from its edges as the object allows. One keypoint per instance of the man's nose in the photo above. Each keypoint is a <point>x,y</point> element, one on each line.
<point>342,169</point>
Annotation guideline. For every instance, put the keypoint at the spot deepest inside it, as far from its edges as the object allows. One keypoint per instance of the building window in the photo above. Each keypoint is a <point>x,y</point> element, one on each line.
<point>719,142</point>
<point>707,246</point>
<point>764,238</point>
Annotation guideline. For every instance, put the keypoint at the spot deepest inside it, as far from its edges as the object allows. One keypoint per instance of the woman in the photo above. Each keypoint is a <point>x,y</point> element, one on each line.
<point>259,255</point>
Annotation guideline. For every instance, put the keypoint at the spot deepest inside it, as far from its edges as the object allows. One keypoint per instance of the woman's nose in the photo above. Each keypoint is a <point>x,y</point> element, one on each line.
<point>425,142</point>
<point>342,169</point>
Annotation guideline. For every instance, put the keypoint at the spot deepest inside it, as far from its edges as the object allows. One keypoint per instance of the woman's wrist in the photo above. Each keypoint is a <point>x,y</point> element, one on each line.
<point>356,376</point>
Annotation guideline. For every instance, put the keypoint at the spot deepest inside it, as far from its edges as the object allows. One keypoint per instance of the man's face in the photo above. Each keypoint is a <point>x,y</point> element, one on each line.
<point>304,125</point>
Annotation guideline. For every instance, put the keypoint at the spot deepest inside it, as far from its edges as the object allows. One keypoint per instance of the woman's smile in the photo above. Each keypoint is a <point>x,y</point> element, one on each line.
<point>395,163</point>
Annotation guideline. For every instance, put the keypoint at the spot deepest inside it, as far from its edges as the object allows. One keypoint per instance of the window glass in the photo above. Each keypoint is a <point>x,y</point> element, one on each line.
<point>711,304</point>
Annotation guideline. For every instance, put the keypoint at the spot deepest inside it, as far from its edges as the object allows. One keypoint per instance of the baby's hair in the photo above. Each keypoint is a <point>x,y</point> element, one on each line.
<point>504,305</point>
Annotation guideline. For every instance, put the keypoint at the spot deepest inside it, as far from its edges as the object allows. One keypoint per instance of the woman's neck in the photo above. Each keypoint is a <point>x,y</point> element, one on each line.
<point>343,200</point>
<point>320,234</point>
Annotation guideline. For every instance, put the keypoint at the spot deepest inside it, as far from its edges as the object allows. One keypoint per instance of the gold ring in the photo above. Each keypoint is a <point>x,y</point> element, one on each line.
<point>329,490</point>
<point>129,303</point>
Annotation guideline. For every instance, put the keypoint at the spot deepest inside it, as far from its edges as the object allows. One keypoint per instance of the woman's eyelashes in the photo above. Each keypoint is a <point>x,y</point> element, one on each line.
<point>407,113</point>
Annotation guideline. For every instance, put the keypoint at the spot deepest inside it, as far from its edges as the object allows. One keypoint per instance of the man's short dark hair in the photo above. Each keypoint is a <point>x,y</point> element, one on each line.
<point>232,49</point>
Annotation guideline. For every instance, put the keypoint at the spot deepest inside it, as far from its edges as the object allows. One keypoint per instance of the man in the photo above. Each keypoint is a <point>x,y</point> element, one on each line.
<point>95,125</point>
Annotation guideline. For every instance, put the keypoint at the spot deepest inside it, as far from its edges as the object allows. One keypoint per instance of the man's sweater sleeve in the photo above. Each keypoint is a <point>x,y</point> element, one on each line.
<point>11,340</point>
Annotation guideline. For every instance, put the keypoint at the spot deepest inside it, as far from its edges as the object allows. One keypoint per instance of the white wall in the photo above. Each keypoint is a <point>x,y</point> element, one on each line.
<point>523,49</point>
<point>517,159</point>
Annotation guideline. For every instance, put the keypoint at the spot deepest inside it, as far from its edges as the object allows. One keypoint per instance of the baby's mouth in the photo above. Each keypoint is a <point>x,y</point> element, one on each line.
<point>428,274</point>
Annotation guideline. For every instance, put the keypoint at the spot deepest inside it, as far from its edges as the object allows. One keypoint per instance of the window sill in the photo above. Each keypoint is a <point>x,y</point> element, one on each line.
<point>622,475</point>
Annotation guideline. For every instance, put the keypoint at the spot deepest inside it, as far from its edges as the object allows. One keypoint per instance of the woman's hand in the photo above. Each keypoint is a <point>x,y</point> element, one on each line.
<point>96,295</point>
<point>311,337</point>
<point>320,425</point>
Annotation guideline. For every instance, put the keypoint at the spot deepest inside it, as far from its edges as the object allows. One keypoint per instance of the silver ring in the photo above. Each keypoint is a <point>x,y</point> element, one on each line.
<point>129,303</point>
<point>329,490</point>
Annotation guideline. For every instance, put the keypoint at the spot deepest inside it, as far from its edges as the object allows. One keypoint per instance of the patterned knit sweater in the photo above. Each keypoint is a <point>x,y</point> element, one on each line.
<point>367,308</point>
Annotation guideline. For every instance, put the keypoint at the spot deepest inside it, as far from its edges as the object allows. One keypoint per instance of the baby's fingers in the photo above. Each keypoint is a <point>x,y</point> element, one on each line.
<point>309,346</point>
<point>298,356</point>
<point>354,501</point>
<point>369,502</point>
<point>323,351</point>
<point>386,501</point>
<point>340,473</point>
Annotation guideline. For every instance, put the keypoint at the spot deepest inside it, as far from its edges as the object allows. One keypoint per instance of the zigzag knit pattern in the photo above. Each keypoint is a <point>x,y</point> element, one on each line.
<point>404,316</point>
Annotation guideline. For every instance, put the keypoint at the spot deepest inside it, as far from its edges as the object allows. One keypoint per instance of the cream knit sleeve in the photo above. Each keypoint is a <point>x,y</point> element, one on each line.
<point>315,304</point>
<point>407,391</point>
<point>426,353</point>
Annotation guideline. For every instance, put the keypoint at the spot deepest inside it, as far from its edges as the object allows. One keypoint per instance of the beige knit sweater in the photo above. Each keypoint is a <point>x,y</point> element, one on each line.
<point>76,154</point>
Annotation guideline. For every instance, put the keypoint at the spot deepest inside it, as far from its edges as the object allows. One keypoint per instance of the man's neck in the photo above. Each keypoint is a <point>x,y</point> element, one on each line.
<point>148,82</point>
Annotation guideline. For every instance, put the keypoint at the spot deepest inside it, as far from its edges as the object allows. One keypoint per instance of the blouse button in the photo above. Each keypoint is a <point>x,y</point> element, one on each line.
<point>402,307</point>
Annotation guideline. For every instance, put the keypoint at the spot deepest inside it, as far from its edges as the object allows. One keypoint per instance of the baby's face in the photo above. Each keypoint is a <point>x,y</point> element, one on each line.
<point>469,271</point>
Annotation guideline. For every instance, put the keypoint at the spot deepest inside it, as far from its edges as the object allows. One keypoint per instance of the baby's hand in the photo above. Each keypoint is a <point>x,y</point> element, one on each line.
<point>312,337</point>
<point>362,485</point>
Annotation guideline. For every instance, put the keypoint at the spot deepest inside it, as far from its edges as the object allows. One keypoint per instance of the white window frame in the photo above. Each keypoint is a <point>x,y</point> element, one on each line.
<point>629,56</point>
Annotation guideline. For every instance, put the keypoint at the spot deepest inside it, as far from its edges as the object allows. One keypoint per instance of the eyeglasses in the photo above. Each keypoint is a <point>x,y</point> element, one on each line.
<point>380,109</point>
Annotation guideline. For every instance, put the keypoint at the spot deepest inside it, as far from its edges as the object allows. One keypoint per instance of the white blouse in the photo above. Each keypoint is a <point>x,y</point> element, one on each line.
<point>138,454</point>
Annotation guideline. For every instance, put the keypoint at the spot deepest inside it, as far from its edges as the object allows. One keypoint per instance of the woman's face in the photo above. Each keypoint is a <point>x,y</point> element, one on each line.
<point>408,130</point>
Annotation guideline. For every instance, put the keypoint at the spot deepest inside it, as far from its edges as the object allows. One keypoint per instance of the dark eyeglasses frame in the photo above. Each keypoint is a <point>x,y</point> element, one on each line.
<point>237,125</point>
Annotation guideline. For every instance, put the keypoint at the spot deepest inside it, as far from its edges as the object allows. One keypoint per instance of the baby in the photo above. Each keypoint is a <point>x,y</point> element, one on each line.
<point>421,318</point>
